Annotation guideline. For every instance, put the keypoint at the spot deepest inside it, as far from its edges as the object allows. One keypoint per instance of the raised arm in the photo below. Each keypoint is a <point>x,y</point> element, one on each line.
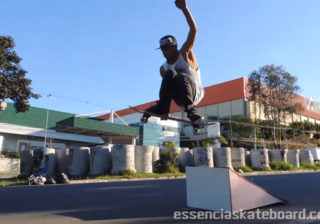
<point>186,48</point>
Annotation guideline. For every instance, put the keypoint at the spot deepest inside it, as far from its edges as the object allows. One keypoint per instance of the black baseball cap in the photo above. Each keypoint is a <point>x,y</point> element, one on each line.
<point>168,40</point>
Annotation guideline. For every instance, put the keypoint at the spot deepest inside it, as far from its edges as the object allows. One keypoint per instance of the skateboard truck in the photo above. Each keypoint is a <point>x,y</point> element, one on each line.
<point>197,125</point>
<point>196,130</point>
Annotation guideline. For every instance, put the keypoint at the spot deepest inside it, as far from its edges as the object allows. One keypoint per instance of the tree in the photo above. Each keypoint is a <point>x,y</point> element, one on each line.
<point>13,84</point>
<point>275,91</point>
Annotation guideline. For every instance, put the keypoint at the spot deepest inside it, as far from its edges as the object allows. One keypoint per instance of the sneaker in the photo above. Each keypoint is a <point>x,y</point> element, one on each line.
<point>194,116</point>
<point>153,110</point>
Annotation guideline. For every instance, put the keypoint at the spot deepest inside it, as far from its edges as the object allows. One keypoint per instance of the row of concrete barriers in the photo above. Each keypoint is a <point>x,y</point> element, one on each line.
<point>117,158</point>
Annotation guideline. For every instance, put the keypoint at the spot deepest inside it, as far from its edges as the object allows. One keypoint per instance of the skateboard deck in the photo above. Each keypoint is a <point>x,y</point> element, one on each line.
<point>196,125</point>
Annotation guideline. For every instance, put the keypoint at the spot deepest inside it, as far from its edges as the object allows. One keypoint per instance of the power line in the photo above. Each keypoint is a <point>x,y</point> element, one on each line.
<point>74,100</point>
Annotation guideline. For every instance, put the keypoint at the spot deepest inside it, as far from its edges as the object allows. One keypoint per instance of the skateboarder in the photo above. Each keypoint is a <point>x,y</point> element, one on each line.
<point>180,73</point>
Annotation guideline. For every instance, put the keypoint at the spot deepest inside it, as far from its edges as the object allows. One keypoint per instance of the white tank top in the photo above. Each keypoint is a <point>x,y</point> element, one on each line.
<point>183,66</point>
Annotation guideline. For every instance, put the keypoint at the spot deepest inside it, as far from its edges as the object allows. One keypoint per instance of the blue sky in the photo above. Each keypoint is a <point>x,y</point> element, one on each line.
<point>96,55</point>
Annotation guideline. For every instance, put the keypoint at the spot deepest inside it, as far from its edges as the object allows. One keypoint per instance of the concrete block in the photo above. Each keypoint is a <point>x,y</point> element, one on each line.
<point>155,156</point>
<point>306,156</point>
<point>50,154</point>
<point>80,158</point>
<point>278,155</point>
<point>238,157</point>
<point>260,158</point>
<point>293,157</point>
<point>26,163</point>
<point>100,160</point>
<point>143,158</point>
<point>63,160</point>
<point>185,157</point>
<point>122,158</point>
<point>222,157</point>
<point>203,156</point>
<point>9,165</point>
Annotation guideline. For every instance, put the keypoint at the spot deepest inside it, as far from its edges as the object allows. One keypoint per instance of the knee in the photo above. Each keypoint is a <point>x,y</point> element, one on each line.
<point>181,78</point>
<point>170,74</point>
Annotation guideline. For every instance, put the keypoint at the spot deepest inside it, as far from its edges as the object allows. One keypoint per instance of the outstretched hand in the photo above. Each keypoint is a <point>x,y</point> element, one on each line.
<point>181,4</point>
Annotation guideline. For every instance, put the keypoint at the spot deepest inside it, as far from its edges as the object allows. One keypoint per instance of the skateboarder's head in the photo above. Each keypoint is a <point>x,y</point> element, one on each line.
<point>168,46</point>
<point>168,40</point>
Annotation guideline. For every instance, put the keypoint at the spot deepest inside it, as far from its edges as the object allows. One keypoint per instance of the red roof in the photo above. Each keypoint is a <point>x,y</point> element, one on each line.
<point>219,93</point>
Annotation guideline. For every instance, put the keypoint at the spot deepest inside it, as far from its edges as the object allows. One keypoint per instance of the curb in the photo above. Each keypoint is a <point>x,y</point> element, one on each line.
<point>90,181</point>
<point>279,172</point>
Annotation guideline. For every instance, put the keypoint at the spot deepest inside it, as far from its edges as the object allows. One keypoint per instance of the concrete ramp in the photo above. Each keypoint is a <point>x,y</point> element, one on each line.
<point>224,189</point>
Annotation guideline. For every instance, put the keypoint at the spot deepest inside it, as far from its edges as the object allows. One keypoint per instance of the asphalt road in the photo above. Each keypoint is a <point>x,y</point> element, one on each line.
<point>140,202</point>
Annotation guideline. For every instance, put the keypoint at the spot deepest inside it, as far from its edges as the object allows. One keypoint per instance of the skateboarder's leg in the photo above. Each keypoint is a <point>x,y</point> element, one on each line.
<point>165,93</point>
<point>165,96</point>
<point>184,91</point>
<point>184,95</point>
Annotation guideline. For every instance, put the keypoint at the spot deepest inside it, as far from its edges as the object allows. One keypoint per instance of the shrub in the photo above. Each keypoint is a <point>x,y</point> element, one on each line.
<point>169,144</point>
<point>279,165</point>
<point>167,162</point>
<point>8,154</point>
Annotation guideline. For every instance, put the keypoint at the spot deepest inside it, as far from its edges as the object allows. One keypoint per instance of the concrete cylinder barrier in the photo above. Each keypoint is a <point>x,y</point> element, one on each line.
<point>26,163</point>
<point>306,156</point>
<point>143,158</point>
<point>293,157</point>
<point>222,157</point>
<point>155,156</point>
<point>50,154</point>
<point>278,155</point>
<point>9,165</point>
<point>122,158</point>
<point>203,156</point>
<point>63,161</point>
<point>238,157</point>
<point>260,158</point>
<point>80,158</point>
<point>185,157</point>
<point>100,160</point>
<point>155,153</point>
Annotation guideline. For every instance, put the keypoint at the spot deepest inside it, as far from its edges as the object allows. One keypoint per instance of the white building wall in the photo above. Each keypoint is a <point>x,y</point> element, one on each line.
<point>296,118</point>
<point>237,107</point>
<point>212,111</point>
<point>224,109</point>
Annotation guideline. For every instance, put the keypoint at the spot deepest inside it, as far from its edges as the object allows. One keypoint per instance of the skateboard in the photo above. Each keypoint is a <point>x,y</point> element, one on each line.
<point>196,125</point>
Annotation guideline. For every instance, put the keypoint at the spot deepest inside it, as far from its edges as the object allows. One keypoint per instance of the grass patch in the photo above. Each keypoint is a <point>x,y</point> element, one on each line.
<point>279,165</point>
<point>13,181</point>
<point>243,169</point>
<point>309,166</point>
<point>262,169</point>
<point>137,175</point>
